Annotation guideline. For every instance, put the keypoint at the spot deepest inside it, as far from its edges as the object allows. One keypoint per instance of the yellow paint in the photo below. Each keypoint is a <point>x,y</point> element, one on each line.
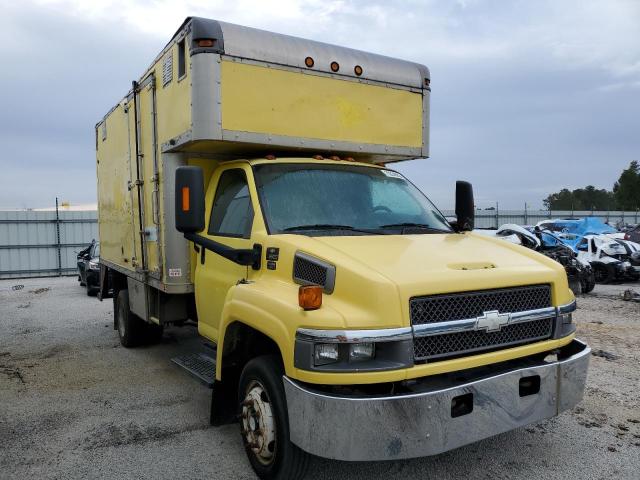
<point>279,102</point>
<point>115,206</point>
<point>376,277</point>
<point>174,100</point>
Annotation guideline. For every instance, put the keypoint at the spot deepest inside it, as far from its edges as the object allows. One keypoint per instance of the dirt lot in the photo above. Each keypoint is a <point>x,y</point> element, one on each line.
<point>74,404</point>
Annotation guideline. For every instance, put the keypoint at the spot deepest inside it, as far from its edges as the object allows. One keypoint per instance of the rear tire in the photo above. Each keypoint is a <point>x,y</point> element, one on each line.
<point>130,326</point>
<point>262,406</point>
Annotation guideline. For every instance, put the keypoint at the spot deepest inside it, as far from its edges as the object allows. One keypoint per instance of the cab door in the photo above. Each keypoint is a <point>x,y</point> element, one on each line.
<point>230,221</point>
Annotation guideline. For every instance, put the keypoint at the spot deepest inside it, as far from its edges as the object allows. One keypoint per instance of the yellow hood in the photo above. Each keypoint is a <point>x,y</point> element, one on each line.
<point>377,274</point>
<point>441,263</point>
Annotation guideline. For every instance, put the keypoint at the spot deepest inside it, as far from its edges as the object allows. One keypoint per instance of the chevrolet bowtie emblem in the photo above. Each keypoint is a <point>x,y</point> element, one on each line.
<point>492,321</point>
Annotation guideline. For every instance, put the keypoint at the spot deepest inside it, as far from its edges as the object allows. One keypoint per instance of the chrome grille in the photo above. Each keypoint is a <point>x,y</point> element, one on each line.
<point>451,344</point>
<point>460,306</point>
<point>467,305</point>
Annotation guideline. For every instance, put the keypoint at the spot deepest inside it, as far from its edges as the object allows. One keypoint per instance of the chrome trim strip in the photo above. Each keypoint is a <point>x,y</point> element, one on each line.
<point>531,315</point>
<point>567,308</point>
<point>354,336</point>
<point>470,324</point>
<point>453,326</point>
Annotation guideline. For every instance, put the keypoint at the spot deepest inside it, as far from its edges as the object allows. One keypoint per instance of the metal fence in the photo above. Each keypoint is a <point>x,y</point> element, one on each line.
<point>495,218</point>
<point>37,244</point>
<point>40,244</point>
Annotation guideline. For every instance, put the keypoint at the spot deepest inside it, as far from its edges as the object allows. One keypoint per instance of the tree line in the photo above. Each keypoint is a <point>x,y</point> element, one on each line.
<point>624,196</point>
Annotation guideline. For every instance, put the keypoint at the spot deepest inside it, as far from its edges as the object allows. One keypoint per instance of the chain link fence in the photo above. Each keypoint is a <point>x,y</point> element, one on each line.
<point>497,217</point>
<point>38,244</point>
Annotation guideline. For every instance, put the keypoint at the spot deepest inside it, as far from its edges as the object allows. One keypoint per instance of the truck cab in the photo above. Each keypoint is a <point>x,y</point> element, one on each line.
<point>245,183</point>
<point>373,309</point>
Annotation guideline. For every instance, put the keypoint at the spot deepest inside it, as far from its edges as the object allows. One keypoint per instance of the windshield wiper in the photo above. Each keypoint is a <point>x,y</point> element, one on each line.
<point>328,226</point>
<point>422,226</point>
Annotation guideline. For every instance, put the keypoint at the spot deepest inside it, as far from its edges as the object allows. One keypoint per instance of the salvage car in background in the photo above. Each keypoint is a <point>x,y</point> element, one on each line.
<point>611,259</point>
<point>580,275</point>
<point>633,235</point>
<point>89,267</point>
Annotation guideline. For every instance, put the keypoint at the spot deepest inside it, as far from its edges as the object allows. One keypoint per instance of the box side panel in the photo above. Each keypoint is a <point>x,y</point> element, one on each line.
<point>115,202</point>
<point>287,103</point>
<point>148,162</point>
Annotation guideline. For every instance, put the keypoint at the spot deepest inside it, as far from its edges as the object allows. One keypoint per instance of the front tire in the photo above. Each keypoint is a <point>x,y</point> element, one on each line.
<point>264,422</point>
<point>604,273</point>
<point>589,284</point>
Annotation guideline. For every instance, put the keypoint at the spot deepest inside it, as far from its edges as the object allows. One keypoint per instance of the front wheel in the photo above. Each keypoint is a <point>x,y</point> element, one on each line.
<point>264,422</point>
<point>604,273</point>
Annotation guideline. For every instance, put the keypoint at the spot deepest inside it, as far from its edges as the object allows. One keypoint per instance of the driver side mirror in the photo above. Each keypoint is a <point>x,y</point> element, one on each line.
<point>465,213</point>
<point>189,194</point>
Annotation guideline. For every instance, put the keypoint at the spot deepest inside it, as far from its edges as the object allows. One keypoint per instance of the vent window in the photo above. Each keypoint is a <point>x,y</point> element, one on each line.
<point>182,58</point>
<point>167,69</point>
<point>308,270</point>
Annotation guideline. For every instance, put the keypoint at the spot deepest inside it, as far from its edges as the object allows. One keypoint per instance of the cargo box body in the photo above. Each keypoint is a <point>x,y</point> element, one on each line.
<point>219,91</point>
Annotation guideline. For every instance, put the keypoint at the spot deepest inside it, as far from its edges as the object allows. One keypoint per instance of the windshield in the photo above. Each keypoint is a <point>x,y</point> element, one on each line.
<point>343,199</point>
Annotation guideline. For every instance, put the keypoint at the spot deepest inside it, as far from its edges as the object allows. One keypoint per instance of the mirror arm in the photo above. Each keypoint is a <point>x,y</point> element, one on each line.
<point>237,255</point>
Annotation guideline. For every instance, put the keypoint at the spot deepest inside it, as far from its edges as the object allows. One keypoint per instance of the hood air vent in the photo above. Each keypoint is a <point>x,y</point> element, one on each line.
<point>308,270</point>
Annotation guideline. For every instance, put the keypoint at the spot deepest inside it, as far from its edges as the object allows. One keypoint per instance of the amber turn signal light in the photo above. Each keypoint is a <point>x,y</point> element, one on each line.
<point>357,70</point>
<point>335,66</point>
<point>309,62</point>
<point>206,42</point>
<point>185,199</point>
<point>310,297</point>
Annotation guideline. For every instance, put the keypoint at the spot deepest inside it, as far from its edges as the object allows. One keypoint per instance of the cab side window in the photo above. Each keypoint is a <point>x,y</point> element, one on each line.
<point>232,212</point>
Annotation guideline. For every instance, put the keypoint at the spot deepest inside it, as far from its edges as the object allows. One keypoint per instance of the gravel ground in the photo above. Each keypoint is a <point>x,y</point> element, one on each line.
<point>75,404</point>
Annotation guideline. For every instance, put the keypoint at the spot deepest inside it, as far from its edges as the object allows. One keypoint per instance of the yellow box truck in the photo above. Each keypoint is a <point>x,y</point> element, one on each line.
<point>243,184</point>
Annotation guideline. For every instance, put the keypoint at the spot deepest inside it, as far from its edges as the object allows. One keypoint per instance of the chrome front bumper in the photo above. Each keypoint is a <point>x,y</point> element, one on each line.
<point>421,424</point>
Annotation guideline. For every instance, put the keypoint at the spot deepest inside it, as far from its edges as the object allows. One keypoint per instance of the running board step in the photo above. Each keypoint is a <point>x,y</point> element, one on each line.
<point>200,365</point>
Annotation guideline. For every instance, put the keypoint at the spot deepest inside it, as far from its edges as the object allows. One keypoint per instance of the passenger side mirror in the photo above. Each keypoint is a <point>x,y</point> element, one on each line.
<point>189,195</point>
<point>465,214</point>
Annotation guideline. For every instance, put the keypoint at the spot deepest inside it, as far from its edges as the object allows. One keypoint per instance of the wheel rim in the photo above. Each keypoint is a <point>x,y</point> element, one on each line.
<point>121,326</point>
<point>258,423</point>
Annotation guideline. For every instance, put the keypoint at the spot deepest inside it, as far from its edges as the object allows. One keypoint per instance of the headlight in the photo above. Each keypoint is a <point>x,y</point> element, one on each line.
<point>353,350</point>
<point>325,353</point>
<point>94,265</point>
<point>361,351</point>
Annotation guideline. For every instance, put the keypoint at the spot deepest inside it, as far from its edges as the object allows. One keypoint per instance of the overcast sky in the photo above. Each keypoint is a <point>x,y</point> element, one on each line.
<point>527,96</point>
